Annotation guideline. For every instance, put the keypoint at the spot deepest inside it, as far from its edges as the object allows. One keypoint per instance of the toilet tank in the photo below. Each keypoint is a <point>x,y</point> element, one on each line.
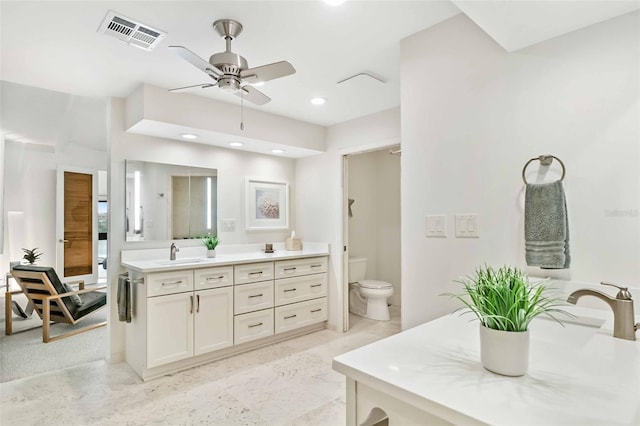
<point>357,269</point>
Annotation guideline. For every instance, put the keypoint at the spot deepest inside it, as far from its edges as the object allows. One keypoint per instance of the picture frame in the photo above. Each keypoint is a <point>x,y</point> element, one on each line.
<point>266,205</point>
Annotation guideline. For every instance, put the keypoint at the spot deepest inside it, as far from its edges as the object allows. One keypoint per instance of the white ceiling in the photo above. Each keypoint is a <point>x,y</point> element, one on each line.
<point>55,45</point>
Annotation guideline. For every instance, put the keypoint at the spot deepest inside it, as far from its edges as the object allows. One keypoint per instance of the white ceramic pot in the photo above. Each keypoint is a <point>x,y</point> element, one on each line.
<point>504,352</point>
<point>211,253</point>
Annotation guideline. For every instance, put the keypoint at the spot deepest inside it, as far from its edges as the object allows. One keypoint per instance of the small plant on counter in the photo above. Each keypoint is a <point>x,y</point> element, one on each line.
<point>31,255</point>
<point>210,241</point>
<point>504,299</point>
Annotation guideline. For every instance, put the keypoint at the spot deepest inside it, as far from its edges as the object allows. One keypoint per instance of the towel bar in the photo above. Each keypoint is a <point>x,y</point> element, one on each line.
<point>545,160</point>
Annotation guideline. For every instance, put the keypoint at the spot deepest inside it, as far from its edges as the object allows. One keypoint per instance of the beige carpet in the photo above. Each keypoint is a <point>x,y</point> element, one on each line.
<point>23,354</point>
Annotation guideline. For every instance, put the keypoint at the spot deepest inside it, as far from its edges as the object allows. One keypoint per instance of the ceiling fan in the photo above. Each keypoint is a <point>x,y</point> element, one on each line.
<point>230,71</point>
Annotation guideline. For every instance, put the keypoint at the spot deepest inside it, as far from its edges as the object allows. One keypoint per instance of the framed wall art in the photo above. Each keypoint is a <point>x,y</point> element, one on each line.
<point>266,205</point>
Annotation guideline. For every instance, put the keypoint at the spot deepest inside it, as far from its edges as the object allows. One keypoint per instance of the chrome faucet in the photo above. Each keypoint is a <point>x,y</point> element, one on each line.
<point>172,251</point>
<point>621,305</point>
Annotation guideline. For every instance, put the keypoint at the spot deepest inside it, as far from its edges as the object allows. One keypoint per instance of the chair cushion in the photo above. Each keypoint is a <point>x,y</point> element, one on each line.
<point>74,297</point>
<point>91,301</point>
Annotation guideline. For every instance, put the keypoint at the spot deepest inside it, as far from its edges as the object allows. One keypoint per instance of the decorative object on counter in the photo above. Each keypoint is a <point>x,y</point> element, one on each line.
<point>546,226</point>
<point>292,243</point>
<point>268,248</point>
<point>267,205</point>
<point>31,255</point>
<point>210,242</point>
<point>505,303</point>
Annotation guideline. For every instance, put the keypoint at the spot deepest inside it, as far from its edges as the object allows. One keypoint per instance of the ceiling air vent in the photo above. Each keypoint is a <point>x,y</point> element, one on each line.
<point>130,31</point>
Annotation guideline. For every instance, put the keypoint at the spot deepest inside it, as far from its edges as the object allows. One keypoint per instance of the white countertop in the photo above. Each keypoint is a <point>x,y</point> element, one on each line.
<point>157,260</point>
<point>577,375</point>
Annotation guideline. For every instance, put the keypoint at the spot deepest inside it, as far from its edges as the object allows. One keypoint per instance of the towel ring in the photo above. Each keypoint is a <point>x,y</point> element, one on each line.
<point>545,160</point>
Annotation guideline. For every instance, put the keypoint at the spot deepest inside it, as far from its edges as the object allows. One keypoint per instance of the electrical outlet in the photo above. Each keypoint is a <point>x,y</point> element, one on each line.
<point>467,226</point>
<point>228,225</point>
<point>435,226</point>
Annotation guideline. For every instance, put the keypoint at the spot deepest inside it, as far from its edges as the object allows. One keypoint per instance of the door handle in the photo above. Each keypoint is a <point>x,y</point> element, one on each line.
<point>198,303</point>
<point>63,241</point>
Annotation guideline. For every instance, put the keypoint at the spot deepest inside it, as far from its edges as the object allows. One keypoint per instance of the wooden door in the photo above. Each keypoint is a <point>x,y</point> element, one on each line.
<point>78,224</point>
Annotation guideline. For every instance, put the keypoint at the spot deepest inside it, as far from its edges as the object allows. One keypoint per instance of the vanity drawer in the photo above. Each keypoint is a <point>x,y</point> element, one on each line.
<point>205,278</point>
<point>252,297</point>
<point>161,283</point>
<point>298,267</point>
<point>300,314</point>
<point>253,272</point>
<point>252,326</point>
<point>298,289</point>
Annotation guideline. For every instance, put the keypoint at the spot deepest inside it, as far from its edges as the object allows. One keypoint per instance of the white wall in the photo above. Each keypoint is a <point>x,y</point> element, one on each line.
<point>374,229</point>
<point>319,190</point>
<point>232,165</point>
<point>472,115</point>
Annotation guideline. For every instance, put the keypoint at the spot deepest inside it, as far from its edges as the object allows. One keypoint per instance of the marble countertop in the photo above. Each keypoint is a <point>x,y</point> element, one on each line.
<point>578,375</point>
<point>157,260</point>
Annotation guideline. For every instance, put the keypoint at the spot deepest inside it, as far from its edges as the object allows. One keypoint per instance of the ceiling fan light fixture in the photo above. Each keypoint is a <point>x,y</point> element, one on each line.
<point>188,136</point>
<point>229,84</point>
<point>318,100</point>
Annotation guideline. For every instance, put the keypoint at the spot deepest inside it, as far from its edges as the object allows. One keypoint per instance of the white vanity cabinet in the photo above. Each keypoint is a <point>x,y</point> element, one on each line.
<point>187,316</point>
<point>188,322</point>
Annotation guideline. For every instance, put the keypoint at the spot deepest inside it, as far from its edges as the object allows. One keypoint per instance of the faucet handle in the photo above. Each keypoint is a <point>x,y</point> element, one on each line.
<point>623,294</point>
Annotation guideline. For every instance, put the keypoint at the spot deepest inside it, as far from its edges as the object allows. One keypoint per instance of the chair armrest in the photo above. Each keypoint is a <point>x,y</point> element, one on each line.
<point>89,290</point>
<point>79,282</point>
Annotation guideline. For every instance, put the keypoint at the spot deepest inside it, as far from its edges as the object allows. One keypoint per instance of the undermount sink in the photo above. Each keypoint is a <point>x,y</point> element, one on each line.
<point>179,261</point>
<point>575,333</point>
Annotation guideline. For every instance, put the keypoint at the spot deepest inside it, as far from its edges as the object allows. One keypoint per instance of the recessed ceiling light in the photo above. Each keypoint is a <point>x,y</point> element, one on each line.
<point>334,2</point>
<point>236,143</point>
<point>189,136</point>
<point>318,101</point>
<point>277,151</point>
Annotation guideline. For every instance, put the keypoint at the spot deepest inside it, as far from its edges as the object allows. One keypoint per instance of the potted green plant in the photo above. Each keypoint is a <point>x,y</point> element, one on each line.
<point>505,302</point>
<point>210,242</point>
<point>31,255</point>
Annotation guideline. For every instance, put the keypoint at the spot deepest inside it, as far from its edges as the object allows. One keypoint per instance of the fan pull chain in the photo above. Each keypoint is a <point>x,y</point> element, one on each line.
<point>241,109</point>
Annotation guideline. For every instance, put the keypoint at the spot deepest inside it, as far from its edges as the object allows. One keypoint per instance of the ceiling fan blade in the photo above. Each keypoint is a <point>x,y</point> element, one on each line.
<point>267,72</point>
<point>196,61</point>
<point>253,95</point>
<point>201,85</point>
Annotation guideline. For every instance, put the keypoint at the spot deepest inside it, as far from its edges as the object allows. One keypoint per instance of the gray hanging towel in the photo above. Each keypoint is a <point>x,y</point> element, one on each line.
<point>546,226</point>
<point>124,298</point>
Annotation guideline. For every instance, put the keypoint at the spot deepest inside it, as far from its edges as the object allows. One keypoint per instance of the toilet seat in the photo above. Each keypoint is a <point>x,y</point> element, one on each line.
<point>374,284</point>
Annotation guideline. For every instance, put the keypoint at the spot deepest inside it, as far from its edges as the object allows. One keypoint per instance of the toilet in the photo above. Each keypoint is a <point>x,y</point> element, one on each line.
<point>367,298</point>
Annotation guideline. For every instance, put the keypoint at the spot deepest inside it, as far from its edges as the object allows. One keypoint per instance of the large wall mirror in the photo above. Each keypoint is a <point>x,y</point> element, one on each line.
<point>166,201</point>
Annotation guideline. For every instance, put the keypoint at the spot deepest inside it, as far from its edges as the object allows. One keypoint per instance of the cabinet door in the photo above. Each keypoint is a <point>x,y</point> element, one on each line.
<point>169,328</point>
<point>213,320</point>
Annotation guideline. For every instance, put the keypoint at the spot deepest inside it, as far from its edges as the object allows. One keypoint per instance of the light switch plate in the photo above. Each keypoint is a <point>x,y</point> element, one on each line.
<point>228,225</point>
<point>467,226</point>
<point>435,226</point>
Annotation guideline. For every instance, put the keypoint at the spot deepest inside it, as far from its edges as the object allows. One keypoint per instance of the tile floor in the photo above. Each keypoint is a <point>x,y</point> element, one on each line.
<point>289,383</point>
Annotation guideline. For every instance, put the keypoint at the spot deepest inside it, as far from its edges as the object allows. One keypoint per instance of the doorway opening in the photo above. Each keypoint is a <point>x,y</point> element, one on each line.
<point>371,235</point>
